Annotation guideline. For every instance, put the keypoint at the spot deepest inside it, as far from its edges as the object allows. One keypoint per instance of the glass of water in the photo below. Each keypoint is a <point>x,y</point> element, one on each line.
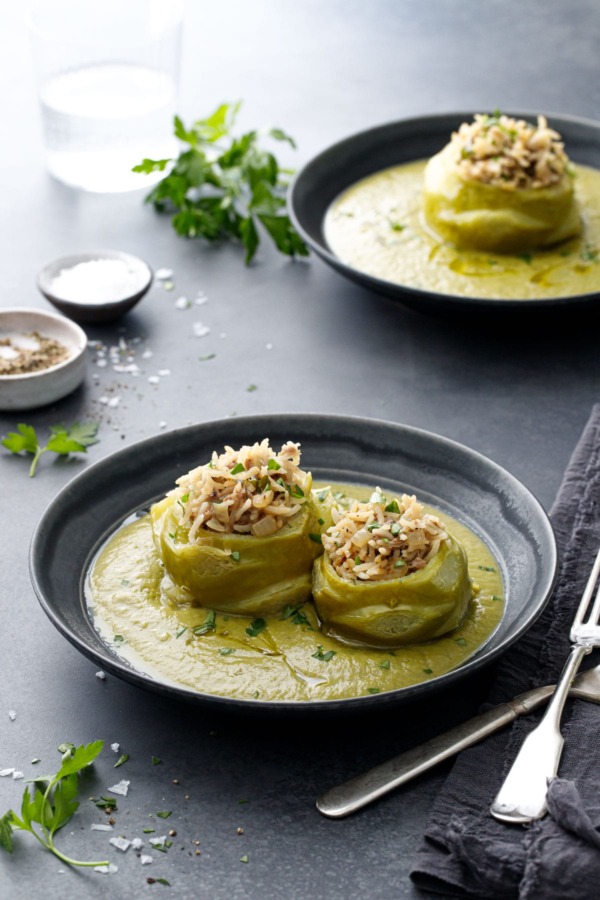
<point>108,76</point>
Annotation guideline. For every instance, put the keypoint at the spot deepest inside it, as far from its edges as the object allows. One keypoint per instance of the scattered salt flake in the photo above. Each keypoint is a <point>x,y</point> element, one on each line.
<point>101,675</point>
<point>61,871</point>
<point>101,363</point>
<point>110,869</point>
<point>147,354</point>
<point>120,843</point>
<point>164,372</point>
<point>269,346</point>
<point>12,715</point>
<point>5,772</point>
<point>115,747</point>
<point>97,826</point>
<point>201,299</point>
<point>114,401</point>
<point>163,274</point>
<point>137,843</point>
<point>158,841</point>
<point>153,379</point>
<point>200,330</point>
<point>182,303</point>
<point>17,775</point>
<point>121,788</point>
<point>145,859</point>
<point>103,400</point>
<point>162,424</point>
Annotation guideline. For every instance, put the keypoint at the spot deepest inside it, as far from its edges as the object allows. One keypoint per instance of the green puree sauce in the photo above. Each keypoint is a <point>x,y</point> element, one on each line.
<point>377,227</point>
<point>285,658</point>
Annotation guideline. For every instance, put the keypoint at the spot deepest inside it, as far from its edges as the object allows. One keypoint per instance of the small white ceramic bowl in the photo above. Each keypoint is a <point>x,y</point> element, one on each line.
<point>33,389</point>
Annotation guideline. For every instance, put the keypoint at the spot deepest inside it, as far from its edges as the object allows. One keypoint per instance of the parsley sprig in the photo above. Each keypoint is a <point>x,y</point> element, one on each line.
<point>50,803</point>
<point>62,441</point>
<point>223,187</point>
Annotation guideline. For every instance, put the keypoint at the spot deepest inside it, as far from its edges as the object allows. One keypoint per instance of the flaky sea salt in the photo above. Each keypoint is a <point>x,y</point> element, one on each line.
<point>5,772</point>
<point>110,869</point>
<point>101,676</point>
<point>163,274</point>
<point>120,843</point>
<point>12,715</point>
<point>200,330</point>
<point>137,843</point>
<point>145,859</point>
<point>182,303</point>
<point>121,788</point>
<point>17,775</point>
<point>153,379</point>
<point>158,841</point>
<point>97,826</point>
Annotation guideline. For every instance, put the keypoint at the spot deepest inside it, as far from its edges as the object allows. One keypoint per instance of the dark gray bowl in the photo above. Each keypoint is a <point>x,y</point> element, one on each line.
<point>321,180</point>
<point>108,310</point>
<point>448,475</point>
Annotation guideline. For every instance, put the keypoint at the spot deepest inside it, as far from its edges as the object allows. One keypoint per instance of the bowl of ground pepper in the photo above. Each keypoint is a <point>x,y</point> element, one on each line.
<point>42,358</point>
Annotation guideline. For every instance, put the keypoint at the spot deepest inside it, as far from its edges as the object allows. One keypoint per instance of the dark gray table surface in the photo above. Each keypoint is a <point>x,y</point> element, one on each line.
<point>518,391</point>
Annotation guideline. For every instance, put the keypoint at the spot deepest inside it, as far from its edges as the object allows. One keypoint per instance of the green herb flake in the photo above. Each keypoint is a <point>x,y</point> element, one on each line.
<point>300,618</point>
<point>323,655</point>
<point>428,671</point>
<point>121,760</point>
<point>245,858</point>
<point>357,561</point>
<point>237,469</point>
<point>255,627</point>
<point>206,357</point>
<point>273,465</point>
<point>164,814</point>
<point>496,598</point>
<point>296,491</point>
<point>322,494</point>
<point>156,761</point>
<point>209,624</point>
<point>395,528</point>
<point>525,257</point>
<point>385,664</point>
<point>373,690</point>
<point>486,568</point>
<point>397,226</point>
<point>251,388</point>
<point>392,507</point>
<point>235,555</point>
<point>181,631</point>
<point>163,881</point>
<point>317,538</point>
<point>461,642</point>
<point>118,639</point>
<point>399,564</point>
<point>226,651</point>
<point>321,521</point>
<point>35,761</point>
<point>149,830</point>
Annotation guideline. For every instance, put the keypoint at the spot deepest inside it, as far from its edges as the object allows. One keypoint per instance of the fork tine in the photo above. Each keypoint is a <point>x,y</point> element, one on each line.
<point>586,597</point>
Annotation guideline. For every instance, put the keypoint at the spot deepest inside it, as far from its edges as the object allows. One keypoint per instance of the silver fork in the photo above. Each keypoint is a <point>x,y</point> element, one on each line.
<point>522,797</point>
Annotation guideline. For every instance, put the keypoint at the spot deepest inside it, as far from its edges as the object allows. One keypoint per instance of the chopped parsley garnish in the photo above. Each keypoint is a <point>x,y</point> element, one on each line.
<point>296,491</point>
<point>118,639</point>
<point>321,494</point>
<point>251,388</point>
<point>300,618</point>
<point>395,528</point>
<point>486,568</point>
<point>156,761</point>
<point>461,642</point>
<point>226,651</point>
<point>237,469</point>
<point>180,631</point>
<point>235,555</point>
<point>373,690</point>
<point>397,226</point>
<point>526,257</point>
<point>208,624</point>
<point>273,465</point>
<point>496,598</point>
<point>149,830</point>
<point>392,507</point>
<point>428,671</point>
<point>255,627</point>
<point>316,538</point>
<point>323,655</point>
<point>121,760</point>
<point>385,664</point>
<point>164,814</point>
<point>245,858</point>
<point>321,521</point>
<point>399,563</point>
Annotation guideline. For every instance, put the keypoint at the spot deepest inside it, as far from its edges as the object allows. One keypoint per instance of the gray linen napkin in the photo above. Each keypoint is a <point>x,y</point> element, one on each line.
<point>465,852</point>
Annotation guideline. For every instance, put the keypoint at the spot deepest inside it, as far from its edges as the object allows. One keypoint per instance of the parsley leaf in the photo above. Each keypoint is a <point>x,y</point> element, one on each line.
<point>225,187</point>
<point>62,441</point>
<point>53,808</point>
<point>255,627</point>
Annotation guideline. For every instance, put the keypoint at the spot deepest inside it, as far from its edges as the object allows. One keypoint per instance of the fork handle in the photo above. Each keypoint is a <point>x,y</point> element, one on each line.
<point>522,797</point>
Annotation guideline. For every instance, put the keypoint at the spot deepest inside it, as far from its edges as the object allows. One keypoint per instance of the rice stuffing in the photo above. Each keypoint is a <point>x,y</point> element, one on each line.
<point>380,540</point>
<point>252,491</point>
<point>510,153</point>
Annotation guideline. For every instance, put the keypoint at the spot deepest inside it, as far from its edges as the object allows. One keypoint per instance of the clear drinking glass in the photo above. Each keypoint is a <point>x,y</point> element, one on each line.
<point>108,75</point>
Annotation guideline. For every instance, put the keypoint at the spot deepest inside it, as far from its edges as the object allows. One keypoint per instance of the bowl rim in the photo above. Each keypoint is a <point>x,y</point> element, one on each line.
<point>76,331</point>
